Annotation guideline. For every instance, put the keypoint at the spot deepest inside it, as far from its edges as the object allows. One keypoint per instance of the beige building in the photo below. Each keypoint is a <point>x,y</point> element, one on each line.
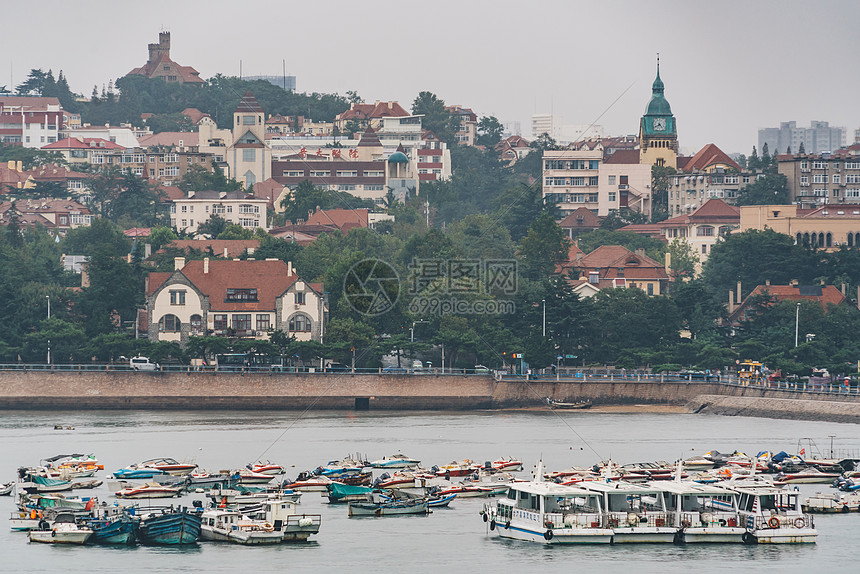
<point>815,180</point>
<point>249,157</point>
<point>189,213</point>
<point>468,128</point>
<point>244,299</point>
<point>829,227</point>
<point>709,174</point>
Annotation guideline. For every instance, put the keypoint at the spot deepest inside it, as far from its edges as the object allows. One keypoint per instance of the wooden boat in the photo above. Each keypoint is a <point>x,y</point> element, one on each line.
<point>111,525</point>
<point>554,404</point>
<point>169,526</point>
<point>62,530</point>
<point>392,507</point>
<point>149,490</point>
<point>338,492</point>
<point>231,526</point>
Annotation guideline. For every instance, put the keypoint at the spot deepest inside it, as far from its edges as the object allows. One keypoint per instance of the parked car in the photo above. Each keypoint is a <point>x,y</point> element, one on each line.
<point>142,364</point>
<point>481,369</point>
<point>337,368</point>
<point>395,369</point>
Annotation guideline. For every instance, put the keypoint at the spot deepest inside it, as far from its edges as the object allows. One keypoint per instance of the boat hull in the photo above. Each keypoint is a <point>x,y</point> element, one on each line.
<point>372,509</point>
<point>559,535</point>
<point>60,537</point>
<point>643,535</point>
<point>726,534</point>
<point>170,528</point>
<point>786,536</point>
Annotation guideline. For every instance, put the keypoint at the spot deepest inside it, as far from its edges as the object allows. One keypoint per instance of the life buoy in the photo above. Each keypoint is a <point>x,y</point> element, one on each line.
<point>492,524</point>
<point>773,522</point>
<point>507,525</point>
<point>748,538</point>
<point>844,509</point>
<point>485,518</point>
<point>800,522</point>
<point>548,535</point>
<point>53,533</point>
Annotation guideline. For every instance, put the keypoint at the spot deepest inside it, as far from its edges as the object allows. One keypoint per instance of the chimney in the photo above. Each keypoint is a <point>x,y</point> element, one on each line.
<point>225,253</point>
<point>251,250</point>
<point>767,282</point>
<point>222,194</point>
<point>731,301</point>
<point>794,282</point>
<point>147,250</point>
<point>739,297</point>
<point>19,166</point>
<point>205,265</point>
<point>290,269</point>
<point>640,252</point>
<point>128,258</point>
<point>191,193</point>
<point>85,274</point>
<point>667,262</point>
<point>578,256</point>
<point>178,263</point>
<point>843,290</point>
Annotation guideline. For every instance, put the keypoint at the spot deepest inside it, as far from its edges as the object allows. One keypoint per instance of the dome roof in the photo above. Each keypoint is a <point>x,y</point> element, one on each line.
<point>658,106</point>
<point>398,157</point>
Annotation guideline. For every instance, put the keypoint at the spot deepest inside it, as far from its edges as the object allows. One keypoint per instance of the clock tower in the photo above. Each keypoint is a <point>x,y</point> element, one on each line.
<point>658,137</point>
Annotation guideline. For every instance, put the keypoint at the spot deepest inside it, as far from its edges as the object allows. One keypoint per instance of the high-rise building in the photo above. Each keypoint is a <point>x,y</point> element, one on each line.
<point>819,137</point>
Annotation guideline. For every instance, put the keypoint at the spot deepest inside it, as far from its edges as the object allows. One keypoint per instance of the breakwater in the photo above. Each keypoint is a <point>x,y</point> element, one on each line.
<point>777,408</point>
<point>227,390</point>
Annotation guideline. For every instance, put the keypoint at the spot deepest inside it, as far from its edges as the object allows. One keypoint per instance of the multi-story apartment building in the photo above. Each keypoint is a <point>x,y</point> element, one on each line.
<point>189,213</point>
<point>818,179</point>
<point>828,227</point>
<point>819,137</point>
<point>709,174</point>
<point>30,121</point>
<point>467,131</point>
<point>582,177</point>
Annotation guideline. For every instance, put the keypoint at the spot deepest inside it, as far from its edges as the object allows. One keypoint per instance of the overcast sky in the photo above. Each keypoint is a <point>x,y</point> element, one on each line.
<point>730,67</point>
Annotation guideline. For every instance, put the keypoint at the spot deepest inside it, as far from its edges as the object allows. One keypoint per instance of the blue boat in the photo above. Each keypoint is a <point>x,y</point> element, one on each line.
<point>170,526</point>
<point>117,529</point>
<point>137,473</point>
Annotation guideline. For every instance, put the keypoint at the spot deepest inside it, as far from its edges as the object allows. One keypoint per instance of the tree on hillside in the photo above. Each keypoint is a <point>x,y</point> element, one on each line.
<point>198,178</point>
<point>654,248</point>
<point>489,132</point>
<point>543,248</point>
<point>660,192</point>
<point>30,157</point>
<point>307,197</point>
<point>436,117</point>
<point>772,189</point>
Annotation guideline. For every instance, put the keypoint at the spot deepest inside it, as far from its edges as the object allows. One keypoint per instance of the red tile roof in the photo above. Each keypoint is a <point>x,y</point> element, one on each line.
<point>83,143</point>
<point>249,104</point>
<point>194,115</point>
<point>581,218</point>
<point>171,192</point>
<point>623,156</point>
<point>188,139</point>
<point>708,156</point>
<point>228,248</point>
<point>825,295</point>
<point>187,73</point>
<point>712,211</point>
<point>343,219</point>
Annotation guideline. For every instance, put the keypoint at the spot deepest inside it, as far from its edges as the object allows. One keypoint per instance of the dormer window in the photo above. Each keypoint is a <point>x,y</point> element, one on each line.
<point>241,295</point>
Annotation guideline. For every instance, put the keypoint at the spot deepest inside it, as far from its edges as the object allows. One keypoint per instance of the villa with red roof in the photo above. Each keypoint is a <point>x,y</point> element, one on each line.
<point>364,115</point>
<point>709,174</point>
<point>230,298</point>
<point>615,267</point>
<point>824,295</point>
<point>161,66</point>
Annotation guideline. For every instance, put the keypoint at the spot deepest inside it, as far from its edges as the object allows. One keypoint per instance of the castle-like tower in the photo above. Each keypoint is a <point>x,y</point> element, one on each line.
<point>658,134</point>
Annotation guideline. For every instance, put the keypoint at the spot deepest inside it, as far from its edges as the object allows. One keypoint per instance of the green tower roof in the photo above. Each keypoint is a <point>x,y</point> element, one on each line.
<point>658,106</point>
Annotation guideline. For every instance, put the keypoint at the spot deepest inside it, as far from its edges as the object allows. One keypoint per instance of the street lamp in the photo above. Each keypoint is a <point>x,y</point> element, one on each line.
<point>544,316</point>
<point>796,323</point>
<point>412,330</point>
<point>48,299</point>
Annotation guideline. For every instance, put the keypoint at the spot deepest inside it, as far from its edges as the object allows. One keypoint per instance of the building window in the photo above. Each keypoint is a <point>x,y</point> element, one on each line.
<point>177,297</point>
<point>249,120</point>
<point>249,155</point>
<point>169,324</point>
<point>300,323</point>
<point>264,322</point>
<point>242,322</point>
<point>705,231</point>
<point>650,288</point>
<point>241,295</point>
<point>300,298</point>
<point>612,180</point>
<point>611,196</point>
<point>835,178</point>
<point>219,323</point>
<point>196,323</point>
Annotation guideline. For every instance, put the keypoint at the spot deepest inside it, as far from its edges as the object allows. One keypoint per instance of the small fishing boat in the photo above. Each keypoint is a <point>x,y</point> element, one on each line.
<point>308,482</point>
<point>149,490</point>
<point>62,530</point>
<point>439,501</point>
<point>111,524</point>
<point>6,489</point>
<point>25,519</point>
<point>33,480</point>
<point>822,503</point>
<point>554,404</point>
<point>389,505</point>
<point>231,526</point>
<point>395,461</point>
<point>170,526</point>
<point>285,519</point>
<point>344,493</point>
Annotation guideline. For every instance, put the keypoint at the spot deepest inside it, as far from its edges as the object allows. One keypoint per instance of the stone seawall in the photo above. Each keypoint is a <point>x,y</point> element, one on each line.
<point>208,390</point>
<point>777,408</point>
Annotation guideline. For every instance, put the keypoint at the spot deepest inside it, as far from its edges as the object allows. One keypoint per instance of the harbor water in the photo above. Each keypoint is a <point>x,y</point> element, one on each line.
<point>454,537</point>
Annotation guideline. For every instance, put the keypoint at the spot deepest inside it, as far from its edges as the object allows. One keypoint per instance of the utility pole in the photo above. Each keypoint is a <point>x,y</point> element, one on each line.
<point>48,298</point>
<point>544,316</point>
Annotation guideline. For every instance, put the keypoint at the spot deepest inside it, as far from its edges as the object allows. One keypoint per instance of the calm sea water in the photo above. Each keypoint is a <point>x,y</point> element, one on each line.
<point>452,538</point>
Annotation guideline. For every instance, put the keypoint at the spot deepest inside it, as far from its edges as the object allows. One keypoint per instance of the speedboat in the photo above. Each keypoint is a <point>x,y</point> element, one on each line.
<point>507,464</point>
<point>62,530</point>
<point>231,526</point>
<point>461,468</point>
<point>309,482</point>
<point>808,476</point>
<point>149,490</point>
<point>153,467</point>
<point>395,461</point>
<point>266,468</point>
<point>247,476</point>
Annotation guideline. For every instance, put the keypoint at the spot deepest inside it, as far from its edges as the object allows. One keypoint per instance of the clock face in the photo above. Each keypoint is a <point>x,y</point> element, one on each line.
<point>659,124</point>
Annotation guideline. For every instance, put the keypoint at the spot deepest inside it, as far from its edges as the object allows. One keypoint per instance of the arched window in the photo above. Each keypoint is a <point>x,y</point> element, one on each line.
<point>850,240</point>
<point>821,239</point>
<point>196,325</point>
<point>829,239</point>
<point>799,239</point>
<point>806,239</point>
<point>300,322</point>
<point>169,324</point>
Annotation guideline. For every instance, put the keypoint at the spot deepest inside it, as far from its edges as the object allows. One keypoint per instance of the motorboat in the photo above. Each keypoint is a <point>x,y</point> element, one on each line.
<point>575,405</point>
<point>62,530</point>
<point>772,515</point>
<point>389,504</point>
<point>395,461</point>
<point>699,463</point>
<point>507,464</point>
<point>549,513</point>
<point>35,480</point>
<point>309,482</point>
<point>6,489</point>
<point>809,475</point>
<point>153,467</point>
<point>285,519</point>
<point>149,490</point>
<point>170,526</point>
<point>242,495</point>
<point>247,476</point>
<point>703,513</point>
<point>455,468</point>
<point>636,513</point>
<point>231,526</point>
<point>266,467</point>
<point>338,492</point>
<point>831,503</point>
